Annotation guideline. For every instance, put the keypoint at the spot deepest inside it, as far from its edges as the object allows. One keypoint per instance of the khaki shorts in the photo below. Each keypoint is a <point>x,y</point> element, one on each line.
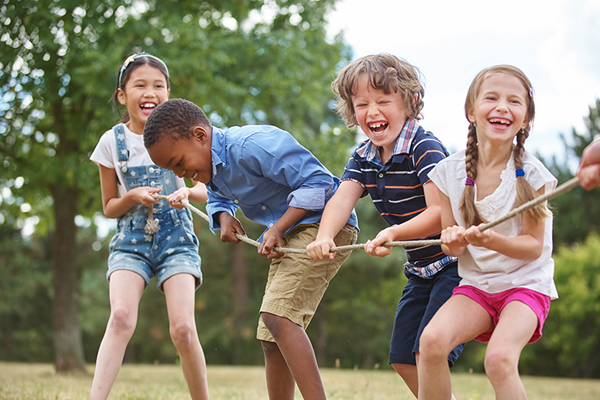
<point>296,283</point>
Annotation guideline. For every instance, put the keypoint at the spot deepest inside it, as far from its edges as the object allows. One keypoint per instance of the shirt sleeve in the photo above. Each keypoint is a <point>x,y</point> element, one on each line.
<point>102,154</point>
<point>353,172</point>
<point>427,152</point>
<point>282,159</point>
<point>216,204</point>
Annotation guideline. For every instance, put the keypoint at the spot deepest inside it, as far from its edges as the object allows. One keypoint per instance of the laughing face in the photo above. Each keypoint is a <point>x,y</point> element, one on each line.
<point>500,110</point>
<point>381,116</point>
<point>145,89</point>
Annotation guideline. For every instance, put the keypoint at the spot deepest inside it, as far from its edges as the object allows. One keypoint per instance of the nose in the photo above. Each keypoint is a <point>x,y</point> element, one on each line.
<point>372,109</point>
<point>502,106</point>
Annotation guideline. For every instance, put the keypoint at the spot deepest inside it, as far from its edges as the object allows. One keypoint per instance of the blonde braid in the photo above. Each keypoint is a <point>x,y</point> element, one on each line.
<point>526,192</point>
<point>467,202</point>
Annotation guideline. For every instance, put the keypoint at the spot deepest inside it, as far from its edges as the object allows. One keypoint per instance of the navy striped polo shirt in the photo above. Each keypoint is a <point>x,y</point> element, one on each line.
<point>396,188</point>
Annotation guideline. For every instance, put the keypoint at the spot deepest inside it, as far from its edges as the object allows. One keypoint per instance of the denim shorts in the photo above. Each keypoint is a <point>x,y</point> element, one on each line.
<point>421,298</point>
<point>172,250</point>
<point>296,283</point>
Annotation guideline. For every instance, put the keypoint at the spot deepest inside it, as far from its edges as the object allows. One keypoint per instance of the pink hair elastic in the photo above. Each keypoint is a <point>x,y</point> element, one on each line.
<point>469,182</point>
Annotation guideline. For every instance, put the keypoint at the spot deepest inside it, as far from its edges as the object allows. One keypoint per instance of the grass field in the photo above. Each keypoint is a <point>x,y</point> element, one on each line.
<point>161,382</point>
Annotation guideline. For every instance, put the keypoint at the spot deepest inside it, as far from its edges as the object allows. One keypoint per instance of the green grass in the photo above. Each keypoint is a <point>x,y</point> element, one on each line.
<point>161,382</point>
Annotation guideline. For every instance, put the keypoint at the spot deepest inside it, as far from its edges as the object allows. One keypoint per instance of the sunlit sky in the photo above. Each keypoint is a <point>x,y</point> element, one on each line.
<point>555,42</point>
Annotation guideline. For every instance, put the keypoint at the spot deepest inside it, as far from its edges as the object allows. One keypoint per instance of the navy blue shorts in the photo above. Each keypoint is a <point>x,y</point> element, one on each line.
<point>421,298</point>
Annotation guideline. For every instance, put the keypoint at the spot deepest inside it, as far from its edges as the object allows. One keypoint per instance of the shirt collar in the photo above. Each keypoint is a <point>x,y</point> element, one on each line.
<point>369,151</point>
<point>218,146</point>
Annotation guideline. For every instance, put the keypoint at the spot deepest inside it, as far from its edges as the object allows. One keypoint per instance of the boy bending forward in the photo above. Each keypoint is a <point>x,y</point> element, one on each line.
<point>278,183</point>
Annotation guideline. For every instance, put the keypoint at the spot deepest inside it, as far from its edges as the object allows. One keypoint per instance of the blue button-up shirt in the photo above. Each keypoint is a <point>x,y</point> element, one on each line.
<point>263,170</point>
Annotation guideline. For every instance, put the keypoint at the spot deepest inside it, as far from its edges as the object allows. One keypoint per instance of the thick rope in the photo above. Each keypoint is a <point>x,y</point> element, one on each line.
<point>565,187</point>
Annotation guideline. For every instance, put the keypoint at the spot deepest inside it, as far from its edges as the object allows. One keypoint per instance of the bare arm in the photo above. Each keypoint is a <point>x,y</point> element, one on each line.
<point>527,246</point>
<point>114,206</point>
<point>423,225</point>
<point>274,236</point>
<point>336,214</point>
<point>196,193</point>
<point>453,241</point>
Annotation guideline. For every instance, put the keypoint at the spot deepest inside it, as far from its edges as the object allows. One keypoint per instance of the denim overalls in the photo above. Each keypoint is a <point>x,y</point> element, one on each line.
<point>170,251</point>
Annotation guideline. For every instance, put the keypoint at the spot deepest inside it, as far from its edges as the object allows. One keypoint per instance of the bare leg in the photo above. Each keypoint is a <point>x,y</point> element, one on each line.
<point>409,374</point>
<point>515,327</point>
<point>296,349</point>
<point>179,293</point>
<point>459,320</point>
<point>280,381</point>
<point>126,289</point>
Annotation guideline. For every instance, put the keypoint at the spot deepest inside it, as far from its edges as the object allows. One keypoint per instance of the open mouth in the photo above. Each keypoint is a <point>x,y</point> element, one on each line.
<point>500,122</point>
<point>379,127</point>
<point>194,177</point>
<point>147,107</point>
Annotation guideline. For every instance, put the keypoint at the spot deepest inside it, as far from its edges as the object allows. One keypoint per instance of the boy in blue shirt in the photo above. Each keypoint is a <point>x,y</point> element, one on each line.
<point>278,183</point>
<point>384,96</point>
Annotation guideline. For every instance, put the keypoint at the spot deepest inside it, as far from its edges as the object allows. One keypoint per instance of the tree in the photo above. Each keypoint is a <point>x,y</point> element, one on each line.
<point>58,63</point>
<point>576,213</point>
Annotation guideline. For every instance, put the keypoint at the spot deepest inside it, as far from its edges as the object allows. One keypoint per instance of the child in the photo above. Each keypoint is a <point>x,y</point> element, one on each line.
<point>128,180</point>
<point>507,272</point>
<point>589,166</point>
<point>277,183</point>
<point>384,96</point>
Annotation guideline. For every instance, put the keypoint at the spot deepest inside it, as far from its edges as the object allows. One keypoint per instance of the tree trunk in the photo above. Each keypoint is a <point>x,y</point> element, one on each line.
<point>68,345</point>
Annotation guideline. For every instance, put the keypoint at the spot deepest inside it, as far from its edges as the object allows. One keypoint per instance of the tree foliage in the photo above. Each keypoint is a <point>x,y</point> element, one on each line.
<point>244,61</point>
<point>576,213</point>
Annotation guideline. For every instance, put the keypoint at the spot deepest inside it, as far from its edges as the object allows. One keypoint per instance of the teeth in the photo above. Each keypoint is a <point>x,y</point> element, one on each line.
<point>499,121</point>
<point>195,175</point>
<point>376,126</point>
<point>148,105</point>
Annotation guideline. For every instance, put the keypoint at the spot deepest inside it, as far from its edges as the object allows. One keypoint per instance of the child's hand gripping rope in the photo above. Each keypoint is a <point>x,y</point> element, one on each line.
<point>565,187</point>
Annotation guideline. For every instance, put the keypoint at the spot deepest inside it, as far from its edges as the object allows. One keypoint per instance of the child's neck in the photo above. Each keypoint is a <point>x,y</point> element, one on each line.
<point>490,156</point>
<point>135,128</point>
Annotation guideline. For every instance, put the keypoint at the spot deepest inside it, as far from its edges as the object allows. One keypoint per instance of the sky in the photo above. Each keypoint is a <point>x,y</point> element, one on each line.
<point>556,43</point>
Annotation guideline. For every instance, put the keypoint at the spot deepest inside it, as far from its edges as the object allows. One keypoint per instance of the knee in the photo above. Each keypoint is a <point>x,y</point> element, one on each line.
<point>122,321</point>
<point>183,334</point>
<point>273,323</point>
<point>499,364</point>
<point>405,370</point>
<point>270,348</point>
<point>433,344</point>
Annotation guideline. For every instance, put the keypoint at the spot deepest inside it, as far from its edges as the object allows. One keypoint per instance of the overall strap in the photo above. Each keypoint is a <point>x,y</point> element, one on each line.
<point>122,152</point>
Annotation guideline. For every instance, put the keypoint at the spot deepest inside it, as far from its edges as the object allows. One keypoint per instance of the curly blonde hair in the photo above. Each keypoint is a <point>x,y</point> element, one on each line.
<point>386,72</point>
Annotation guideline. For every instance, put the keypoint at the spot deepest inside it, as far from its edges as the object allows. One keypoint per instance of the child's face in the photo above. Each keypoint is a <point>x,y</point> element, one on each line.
<point>500,110</point>
<point>381,116</point>
<point>188,158</point>
<point>145,89</point>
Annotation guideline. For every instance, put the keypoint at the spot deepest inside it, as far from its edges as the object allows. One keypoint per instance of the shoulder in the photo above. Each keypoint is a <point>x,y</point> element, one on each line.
<point>424,140</point>
<point>452,165</point>
<point>536,172</point>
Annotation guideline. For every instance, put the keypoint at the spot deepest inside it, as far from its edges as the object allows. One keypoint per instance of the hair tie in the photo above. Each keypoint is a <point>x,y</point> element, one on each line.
<point>469,182</point>
<point>519,172</point>
<point>134,57</point>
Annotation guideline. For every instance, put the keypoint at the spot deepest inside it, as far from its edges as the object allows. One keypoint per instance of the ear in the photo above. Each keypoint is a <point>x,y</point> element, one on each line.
<point>200,133</point>
<point>121,96</point>
<point>471,117</point>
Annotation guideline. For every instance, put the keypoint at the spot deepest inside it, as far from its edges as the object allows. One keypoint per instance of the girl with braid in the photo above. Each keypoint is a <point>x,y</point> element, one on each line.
<point>507,272</point>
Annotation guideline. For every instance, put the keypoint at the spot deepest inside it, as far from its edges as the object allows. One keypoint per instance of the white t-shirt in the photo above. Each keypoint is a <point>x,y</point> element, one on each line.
<point>486,269</point>
<point>105,154</point>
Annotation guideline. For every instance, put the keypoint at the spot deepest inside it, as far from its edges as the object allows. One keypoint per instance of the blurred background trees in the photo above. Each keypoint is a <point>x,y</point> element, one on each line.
<point>244,62</point>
